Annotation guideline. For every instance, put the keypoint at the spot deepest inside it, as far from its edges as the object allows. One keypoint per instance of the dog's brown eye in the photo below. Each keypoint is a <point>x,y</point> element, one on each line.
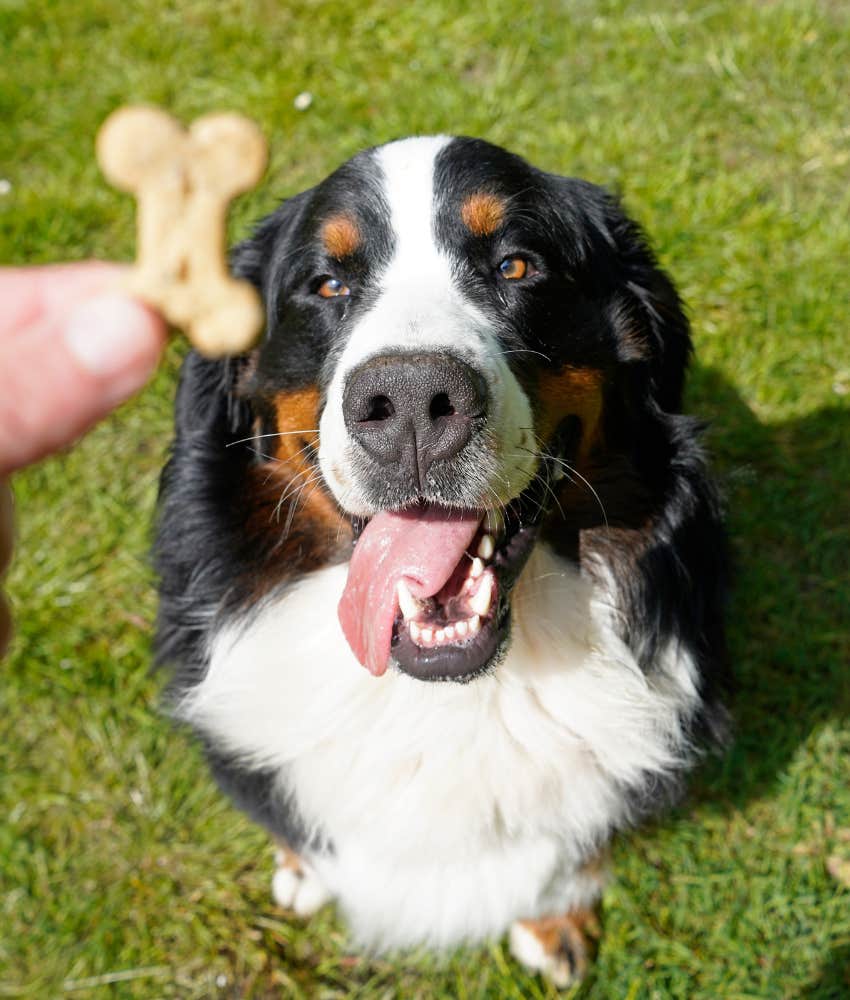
<point>333,288</point>
<point>514,268</point>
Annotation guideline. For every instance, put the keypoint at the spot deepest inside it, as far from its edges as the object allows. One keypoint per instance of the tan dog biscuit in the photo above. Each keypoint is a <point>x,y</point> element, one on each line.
<point>183,181</point>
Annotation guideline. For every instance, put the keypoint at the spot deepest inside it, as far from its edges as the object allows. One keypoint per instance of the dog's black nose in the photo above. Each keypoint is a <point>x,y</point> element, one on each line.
<point>411,410</point>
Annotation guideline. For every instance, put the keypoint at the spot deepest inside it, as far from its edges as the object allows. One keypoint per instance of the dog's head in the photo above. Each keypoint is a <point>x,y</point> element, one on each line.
<point>462,353</point>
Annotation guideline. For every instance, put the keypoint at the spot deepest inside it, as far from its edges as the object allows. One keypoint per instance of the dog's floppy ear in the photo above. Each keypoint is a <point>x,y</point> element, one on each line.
<point>610,255</point>
<point>206,403</point>
<point>657,331</point>
<point>208,396</point>
<point>265,255</point>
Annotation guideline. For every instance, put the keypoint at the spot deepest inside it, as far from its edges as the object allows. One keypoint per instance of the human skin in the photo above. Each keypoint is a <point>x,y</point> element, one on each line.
<point>72,348</point>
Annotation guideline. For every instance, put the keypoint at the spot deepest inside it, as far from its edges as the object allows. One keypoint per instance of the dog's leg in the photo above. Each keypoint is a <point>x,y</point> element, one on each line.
<point>560,947</point>
<point>295,885</point>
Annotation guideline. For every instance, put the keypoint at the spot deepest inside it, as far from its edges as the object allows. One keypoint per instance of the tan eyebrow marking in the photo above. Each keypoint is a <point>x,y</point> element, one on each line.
<point>340,236</point>
<point>482,213</point>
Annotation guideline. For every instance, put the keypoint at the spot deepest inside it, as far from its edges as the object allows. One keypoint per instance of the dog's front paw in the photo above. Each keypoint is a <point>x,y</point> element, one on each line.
<point>560,948</point>
<point>295,886</point>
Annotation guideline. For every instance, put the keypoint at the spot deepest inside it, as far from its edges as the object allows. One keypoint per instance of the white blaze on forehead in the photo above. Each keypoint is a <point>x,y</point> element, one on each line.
<point>418,305</point>
<point>408,169</point>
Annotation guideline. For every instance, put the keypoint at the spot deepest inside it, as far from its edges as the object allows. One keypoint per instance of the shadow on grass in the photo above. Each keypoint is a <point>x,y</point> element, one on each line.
<point>788,494</point>
<point>833,982</point>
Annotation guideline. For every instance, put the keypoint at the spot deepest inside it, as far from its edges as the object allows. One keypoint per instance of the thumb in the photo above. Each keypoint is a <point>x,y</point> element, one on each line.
<point>65,372</point>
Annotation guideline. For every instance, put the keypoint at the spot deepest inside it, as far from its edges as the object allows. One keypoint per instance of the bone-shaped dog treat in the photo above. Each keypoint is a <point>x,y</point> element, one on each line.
<point>183,180</point>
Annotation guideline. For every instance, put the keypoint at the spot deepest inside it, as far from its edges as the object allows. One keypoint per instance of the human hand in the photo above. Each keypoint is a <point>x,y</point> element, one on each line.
<point>71,350</point>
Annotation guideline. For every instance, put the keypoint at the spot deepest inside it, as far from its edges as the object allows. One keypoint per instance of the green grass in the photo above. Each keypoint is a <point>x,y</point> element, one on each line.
<point>726,126</point>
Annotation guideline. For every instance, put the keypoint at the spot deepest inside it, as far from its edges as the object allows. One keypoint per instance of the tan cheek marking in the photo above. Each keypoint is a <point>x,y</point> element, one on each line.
<point>482,213</point>
<point>572,392</point>
<point>340,236</point>
<point>292,519</point>
<point>297,415</point>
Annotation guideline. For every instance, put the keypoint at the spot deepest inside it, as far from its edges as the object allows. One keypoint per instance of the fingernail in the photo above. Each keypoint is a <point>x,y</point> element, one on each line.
<point>109,334</point>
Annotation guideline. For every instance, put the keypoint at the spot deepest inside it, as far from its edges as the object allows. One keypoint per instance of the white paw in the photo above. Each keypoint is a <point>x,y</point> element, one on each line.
<point>311,895</point>
<point>285,883</point>
<point>557,965</point>
<point>301,891</point>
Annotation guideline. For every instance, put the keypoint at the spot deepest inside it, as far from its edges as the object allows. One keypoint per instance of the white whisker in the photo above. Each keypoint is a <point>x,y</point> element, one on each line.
<point>257,437</point>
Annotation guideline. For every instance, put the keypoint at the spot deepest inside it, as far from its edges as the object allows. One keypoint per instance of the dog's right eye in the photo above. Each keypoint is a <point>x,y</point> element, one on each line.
<point>516,268</point>
<point>333,288</point>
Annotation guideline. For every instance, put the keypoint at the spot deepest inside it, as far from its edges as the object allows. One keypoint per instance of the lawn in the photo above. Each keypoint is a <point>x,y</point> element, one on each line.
<point>726,127</point>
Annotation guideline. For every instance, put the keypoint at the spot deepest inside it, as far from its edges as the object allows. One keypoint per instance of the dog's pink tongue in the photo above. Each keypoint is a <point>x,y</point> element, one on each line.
<point>423,545</point>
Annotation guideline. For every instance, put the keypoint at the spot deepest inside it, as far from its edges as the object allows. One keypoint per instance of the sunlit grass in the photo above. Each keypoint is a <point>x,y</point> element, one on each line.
<point>726,127</point>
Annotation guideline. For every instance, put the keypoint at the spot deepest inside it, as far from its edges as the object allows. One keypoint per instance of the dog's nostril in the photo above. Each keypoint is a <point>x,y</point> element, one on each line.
<point>379,408</point>
<point>441,406</point>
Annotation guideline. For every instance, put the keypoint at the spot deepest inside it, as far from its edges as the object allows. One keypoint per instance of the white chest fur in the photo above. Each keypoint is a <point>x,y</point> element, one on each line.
<point>453,809</point>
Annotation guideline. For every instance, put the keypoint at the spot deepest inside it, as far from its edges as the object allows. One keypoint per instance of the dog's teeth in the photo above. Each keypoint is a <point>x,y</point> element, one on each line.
<point>558,473</point>
<point>474,625</point>
<point>440,635</point>
<point>480,600</point>
<point>415,632</point>
<point>406,601</point>
<point>427,634</point>
<point>449,632</point>
<point>461,628</point>
<point>476,569</point>
<point>486,547</point>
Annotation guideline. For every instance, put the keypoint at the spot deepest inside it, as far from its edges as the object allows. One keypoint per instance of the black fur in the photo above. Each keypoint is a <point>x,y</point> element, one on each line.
<point>599,300</point>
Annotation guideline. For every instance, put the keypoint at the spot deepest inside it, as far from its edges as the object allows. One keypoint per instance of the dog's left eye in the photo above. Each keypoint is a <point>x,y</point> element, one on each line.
<point>332,288</point>
<point>515,268</point>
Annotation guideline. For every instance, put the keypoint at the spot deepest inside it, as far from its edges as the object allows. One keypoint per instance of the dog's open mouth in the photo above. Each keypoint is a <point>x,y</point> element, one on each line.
<point>429,587</point>
<point>462,630</point>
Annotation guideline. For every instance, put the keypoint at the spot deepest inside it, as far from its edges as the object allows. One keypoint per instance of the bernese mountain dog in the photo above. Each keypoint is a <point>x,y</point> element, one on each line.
<point>442,567</point>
